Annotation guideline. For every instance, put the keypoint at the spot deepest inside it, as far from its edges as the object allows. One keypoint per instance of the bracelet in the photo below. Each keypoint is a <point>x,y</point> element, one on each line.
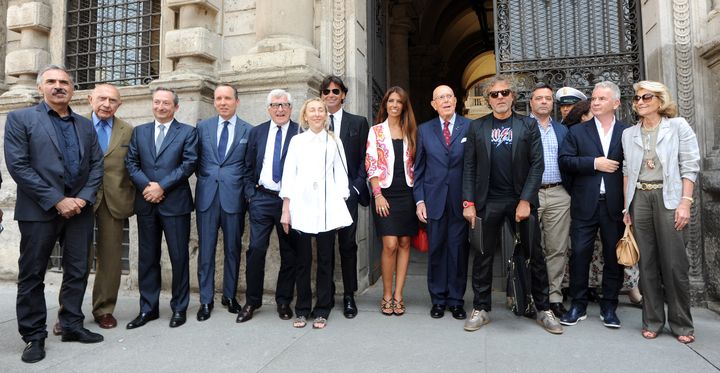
<point>689,199</point>
<point>624,211</point>
<point>376,196</point>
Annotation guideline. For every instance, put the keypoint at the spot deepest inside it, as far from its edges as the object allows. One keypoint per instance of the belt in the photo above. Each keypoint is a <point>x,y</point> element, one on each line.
<point>649,185</point>
<point>266,190</point>
<point>551,185</point>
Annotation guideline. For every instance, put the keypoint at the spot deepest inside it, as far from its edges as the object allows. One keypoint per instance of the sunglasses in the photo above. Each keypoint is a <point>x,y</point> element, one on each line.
<point>646,97</point>
<point>504,93</point>
<point>335,91</point>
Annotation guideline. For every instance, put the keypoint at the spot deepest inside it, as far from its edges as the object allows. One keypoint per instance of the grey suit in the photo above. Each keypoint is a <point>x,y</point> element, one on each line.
<point>35,161</point>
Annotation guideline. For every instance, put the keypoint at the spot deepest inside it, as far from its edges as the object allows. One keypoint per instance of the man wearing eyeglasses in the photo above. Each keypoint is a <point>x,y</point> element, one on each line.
<point>353,131</point>
<point>592,154</point>
<point>553,197</point>
<point>438,195</point>
<point>503,168</point>
<point>264,161</point>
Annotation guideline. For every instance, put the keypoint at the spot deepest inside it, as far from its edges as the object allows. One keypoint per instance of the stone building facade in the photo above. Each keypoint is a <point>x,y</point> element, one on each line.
<point>261,45</point>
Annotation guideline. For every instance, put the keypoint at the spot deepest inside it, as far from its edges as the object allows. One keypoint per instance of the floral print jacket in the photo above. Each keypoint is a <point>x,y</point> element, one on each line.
<point>380,156</point>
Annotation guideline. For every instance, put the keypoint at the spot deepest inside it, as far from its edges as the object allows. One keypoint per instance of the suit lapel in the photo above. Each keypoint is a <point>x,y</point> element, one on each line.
<point>664,130</point>
<point>345,127</point>
<point>239,132</point>
<point>457,129</point>
<point>292,129</point>
<point>261,143</point>
<point>46,123</point>
<point>170,136</point>
<point>616,137</point>
<point>437,130</point>
<point>593,133</point>
<point>79,131</point>
<point>117,133</point>
<point>213,137</point>
<point>517,133</point>
<point>487,132</point>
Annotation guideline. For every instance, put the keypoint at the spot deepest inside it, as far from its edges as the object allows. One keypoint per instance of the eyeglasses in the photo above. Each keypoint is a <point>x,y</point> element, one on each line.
<point>335,91</point>
<point>444,97</point>
<point>277,105</point>
<point>495,94</point>
<point>645,98</point>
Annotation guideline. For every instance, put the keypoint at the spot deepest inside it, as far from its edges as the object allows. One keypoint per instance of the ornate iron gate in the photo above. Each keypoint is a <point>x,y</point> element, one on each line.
<point>573,43</point>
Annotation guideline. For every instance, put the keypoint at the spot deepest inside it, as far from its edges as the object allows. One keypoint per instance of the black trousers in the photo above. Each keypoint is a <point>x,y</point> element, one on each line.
<point>177,236</point>
<point>348,249</point>
<point>582,234</point>
<point>495,214</point>
<point>265,210</point>
<point>37,239</point>
<point>324,277</point>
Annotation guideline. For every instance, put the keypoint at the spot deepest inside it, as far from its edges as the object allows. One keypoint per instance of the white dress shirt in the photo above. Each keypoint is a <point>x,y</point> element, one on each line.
<point>337,121</point>
<point>266,179</point>
<point>605,141</point>
<point>231,131</point>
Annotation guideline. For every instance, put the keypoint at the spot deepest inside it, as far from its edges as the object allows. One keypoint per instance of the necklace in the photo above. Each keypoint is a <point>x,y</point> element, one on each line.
<point>648,146</point>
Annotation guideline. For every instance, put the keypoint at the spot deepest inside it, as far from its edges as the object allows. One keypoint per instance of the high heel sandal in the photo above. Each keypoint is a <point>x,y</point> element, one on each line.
<point>399,308</point>
<point>387,306</point>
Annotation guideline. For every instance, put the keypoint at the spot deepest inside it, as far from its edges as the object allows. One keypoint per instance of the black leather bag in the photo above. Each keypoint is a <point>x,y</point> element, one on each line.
<point>519,293</point>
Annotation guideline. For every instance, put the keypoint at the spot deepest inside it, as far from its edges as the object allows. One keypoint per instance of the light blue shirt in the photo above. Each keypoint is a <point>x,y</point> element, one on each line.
<point>450,126</point>
<point>551,175</point>
<point>231,131</point>
<point>96,124</point>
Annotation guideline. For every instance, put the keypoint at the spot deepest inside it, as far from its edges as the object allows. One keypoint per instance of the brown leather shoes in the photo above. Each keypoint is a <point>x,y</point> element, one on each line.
<point>106,321</point>
<point>57,329</point>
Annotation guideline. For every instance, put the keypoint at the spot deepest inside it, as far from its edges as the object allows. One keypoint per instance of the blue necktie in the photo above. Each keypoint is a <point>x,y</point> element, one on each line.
<point>277,154</point>
<point>222,145</point>
<point>102,134</point>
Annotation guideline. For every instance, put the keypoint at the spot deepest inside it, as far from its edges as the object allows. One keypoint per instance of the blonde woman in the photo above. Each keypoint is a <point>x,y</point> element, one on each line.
<point>314,190</point>
<point>662,161</point>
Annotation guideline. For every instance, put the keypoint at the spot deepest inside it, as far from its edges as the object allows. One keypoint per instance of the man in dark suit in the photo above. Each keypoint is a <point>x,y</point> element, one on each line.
<point>438,193</point>
<point>264,161</point>
<point>220,203</point>
<point>503,167</point>
<point>54,157</point>
<point>353,130</point>
<point>161,158</point>
<point>554,201</point>
<point>114,202</point>
<point>592,154</point>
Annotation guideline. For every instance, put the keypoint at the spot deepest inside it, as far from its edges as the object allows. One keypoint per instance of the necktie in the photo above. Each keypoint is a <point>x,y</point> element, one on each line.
<point>102,134</point>
<point>222,145</point>
<point>446,132</point>
<point>332,123</point>
<point>277,154</point>
<point>159,139</point>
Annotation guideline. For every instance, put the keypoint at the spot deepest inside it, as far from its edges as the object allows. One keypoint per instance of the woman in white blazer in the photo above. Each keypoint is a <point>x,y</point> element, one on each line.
<point>662,161</point>
<point>389,163</point>
<point>314,189</point>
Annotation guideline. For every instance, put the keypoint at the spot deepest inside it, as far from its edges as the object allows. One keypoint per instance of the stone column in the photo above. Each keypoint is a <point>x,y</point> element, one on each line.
<point>33,21</point>
<point>400,26</point>
<point>284,25</point>
<point>194,45</point>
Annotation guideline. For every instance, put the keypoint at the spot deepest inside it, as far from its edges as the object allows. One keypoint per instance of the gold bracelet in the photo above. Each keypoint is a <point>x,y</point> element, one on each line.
<point>689,199</point>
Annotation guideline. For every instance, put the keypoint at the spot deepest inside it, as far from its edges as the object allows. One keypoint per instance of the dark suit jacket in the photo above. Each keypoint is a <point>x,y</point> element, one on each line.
<point>35,161</point>
<point>439,168</point>
<point>256,152</point>
<point>577,158</point>
<point>527,160</point>
<point>170,168</point>
<point>353,134</point>
<point>116,188</point>
<point>222,178</point>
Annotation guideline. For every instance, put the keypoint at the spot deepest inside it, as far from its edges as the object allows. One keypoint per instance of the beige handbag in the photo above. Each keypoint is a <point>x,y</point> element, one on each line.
<point>626,249</point>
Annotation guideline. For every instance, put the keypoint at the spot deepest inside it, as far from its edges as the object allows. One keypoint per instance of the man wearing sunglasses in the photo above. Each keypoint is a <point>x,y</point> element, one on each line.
<point>353,132</point>
<point>503,169</point>
<point>592,154</point>
<point>264,160</point>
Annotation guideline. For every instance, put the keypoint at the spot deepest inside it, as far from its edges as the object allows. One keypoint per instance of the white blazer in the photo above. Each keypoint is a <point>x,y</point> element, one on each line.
<point>678,152</point>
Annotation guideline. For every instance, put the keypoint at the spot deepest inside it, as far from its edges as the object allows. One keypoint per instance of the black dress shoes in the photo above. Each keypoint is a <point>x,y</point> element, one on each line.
<point>558,309</point>
<point>142,319</point>
<point>34,351</point>
<point>437,311</point>
<point>178,318</point>
<point>81,335</point>
<point>232,304</point>
<point>204,312</point>
<point>284,311</point>
<point>246,314</point>
<point>458,312</point>
<point>349,307</point>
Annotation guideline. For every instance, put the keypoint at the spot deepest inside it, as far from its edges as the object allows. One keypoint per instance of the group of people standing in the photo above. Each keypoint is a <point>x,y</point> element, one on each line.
<point>306,180</point>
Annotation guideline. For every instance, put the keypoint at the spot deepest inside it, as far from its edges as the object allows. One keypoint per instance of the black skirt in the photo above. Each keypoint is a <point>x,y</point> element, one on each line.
<point>402,220</point>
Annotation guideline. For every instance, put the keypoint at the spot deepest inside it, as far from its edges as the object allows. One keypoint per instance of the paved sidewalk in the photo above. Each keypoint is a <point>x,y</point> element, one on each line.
<point>369,343</point>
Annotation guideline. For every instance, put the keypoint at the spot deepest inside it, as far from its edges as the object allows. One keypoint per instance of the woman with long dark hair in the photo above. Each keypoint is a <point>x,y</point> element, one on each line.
<point>389,164</point>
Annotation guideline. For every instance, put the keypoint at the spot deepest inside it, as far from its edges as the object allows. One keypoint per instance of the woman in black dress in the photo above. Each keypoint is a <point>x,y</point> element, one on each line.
<point>389,163</point>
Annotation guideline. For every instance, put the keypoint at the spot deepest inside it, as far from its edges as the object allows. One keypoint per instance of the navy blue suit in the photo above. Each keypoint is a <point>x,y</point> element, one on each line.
<point>438,182</point>
<point>35,161</point>
<point>171,168</point>
<point>220,202</point>
<point>591,210</point>
<point>265,210</point>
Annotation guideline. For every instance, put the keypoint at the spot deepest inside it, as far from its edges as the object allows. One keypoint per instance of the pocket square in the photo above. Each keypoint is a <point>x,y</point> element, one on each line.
<point>463,140</point>
<point>243,141</point>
